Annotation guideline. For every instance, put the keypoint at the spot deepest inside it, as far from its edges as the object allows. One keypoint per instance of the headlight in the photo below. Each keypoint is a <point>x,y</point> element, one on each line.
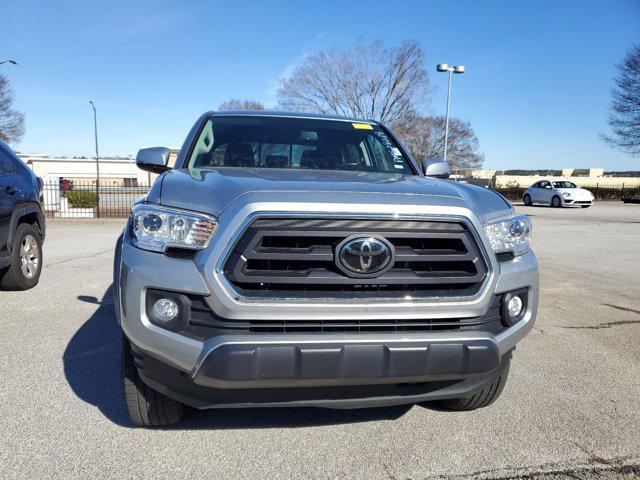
<point>566,195</point>
<point>510,235</point>
<point>157,228</point>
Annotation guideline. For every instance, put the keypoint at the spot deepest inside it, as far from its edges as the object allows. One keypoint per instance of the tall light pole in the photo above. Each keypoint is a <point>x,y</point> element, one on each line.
<point>443,67</point>
<point>13,62</point>
<point>95,128</point>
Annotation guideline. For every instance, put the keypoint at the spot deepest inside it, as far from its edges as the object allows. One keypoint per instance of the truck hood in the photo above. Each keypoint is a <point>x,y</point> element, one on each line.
<point>215,190</point>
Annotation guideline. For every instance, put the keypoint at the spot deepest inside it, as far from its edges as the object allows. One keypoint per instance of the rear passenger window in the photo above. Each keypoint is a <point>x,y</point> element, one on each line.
<point>7,164</point>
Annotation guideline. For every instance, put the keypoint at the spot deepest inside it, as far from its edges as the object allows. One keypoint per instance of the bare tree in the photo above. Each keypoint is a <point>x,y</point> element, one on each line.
<point>367,81</point>
<point>425,139</point>
<point>237,104</point>
<point>624,118</point>
<point>11,121</point>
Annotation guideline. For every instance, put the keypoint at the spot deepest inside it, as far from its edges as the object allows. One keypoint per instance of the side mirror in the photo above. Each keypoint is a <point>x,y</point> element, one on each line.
<point>153,159</point>
<point>433,167</point>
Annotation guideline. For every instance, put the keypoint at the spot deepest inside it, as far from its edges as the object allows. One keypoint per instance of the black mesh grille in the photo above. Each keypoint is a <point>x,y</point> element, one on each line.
<point>295,258</point>
<point>205,323</point>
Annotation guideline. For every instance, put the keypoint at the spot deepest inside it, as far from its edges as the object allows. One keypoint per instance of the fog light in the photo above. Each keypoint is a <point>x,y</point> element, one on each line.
<point>165,310</point>
<point>514,307</point>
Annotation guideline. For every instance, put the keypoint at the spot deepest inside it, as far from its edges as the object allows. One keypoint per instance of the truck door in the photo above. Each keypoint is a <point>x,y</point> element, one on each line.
<point>9,196</point>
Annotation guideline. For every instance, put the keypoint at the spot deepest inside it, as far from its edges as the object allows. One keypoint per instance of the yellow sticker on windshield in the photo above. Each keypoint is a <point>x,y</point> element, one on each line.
<point>362,126</point>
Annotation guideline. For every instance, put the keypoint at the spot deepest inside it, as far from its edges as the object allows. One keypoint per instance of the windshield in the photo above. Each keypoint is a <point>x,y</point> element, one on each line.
<point>564,184</point>
<point>295,143</point>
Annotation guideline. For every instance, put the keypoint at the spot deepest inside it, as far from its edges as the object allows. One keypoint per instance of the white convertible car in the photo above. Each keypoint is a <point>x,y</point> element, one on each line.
<point>557,193</point>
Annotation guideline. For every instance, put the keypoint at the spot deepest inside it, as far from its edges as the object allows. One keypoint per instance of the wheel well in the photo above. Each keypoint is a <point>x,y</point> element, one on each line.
<point>31,219</point>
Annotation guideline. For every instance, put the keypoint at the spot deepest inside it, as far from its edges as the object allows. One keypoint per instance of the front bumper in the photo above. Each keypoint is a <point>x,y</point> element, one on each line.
<point>577,202</point>
<point>337,370</point>
<point>175,384</point>
<point>317,361</point>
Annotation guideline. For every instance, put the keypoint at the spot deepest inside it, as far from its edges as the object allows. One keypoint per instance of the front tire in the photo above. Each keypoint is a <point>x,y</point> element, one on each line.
<point>556,202</point>
<point>527,200</point>
<point>146,406</point>
<point>26,260</point>
<point>483,397</point>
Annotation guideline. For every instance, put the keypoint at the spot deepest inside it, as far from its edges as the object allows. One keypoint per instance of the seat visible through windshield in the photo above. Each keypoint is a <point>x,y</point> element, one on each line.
<point>295,143</point>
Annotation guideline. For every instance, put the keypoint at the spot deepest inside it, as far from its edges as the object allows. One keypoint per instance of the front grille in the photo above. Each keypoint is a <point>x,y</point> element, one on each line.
<point>296,258</point>
<point>205,323</point>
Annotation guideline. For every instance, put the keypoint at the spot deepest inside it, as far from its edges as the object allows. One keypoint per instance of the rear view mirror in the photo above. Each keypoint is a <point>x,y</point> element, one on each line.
<point>434,167</point>
<point>154,159</point>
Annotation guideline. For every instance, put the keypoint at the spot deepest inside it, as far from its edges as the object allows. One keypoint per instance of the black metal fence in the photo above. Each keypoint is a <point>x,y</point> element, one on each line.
<point>76,199</point>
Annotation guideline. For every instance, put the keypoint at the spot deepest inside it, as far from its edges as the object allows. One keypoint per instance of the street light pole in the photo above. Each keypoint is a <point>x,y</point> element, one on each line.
<point>446,122</point>
<point>443,67</point>
<point>13,62</point>
<point>95,127</point>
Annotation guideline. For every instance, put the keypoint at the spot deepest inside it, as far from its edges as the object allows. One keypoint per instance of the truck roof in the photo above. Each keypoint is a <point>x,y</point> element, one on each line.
<point>274,113</point>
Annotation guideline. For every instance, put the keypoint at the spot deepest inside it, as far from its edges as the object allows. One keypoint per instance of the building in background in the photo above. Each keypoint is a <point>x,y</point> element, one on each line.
<point>585,177</point>
<point>583,172</point>
<point>114,171</point>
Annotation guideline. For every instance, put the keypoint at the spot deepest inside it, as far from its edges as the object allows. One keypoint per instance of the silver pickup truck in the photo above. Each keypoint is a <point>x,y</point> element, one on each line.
<point>307,260</point>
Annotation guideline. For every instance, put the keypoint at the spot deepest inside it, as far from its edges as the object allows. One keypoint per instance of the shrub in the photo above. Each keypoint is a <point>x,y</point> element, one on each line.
<point>82,199</point>
<point>613,193</point>
<point>511,192</point>
<point>631,194</point>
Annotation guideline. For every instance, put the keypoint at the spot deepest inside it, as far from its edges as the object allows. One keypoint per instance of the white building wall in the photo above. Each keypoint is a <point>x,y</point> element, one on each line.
<point>112,170</point>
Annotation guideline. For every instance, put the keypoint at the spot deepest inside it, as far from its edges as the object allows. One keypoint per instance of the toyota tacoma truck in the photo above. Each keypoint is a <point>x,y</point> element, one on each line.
<point>307,260</point>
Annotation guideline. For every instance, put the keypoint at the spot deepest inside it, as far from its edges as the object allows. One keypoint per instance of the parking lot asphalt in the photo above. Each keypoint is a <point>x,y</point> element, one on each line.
<point>571,407</point>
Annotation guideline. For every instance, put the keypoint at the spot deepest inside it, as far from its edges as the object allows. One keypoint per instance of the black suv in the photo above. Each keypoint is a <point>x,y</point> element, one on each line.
<point>22,224</point>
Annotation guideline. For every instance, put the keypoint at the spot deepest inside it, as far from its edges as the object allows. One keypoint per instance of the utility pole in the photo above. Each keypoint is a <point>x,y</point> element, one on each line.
<point>95,127</point>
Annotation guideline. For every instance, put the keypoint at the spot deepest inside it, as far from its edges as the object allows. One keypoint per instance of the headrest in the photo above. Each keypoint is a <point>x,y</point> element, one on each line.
<point>277,161</point>
<point>239,155</point>
<point>308,159</point>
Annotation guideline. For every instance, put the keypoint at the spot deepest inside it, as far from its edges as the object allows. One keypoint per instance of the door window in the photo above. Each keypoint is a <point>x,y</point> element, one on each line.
<point>7,164</point>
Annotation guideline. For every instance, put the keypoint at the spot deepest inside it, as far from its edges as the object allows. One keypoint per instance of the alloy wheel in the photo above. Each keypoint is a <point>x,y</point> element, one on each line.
<point>29,256</point>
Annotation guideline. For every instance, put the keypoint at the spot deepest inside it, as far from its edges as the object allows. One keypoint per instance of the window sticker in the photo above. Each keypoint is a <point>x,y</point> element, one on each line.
<point>362,126</point>
<point>393,150</point>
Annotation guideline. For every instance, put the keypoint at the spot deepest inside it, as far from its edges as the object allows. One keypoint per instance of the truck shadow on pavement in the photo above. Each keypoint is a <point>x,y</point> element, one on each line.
<point>92,369</point>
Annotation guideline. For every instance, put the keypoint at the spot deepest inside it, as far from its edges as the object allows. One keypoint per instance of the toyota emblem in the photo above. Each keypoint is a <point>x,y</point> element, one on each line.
<point>364,256</point>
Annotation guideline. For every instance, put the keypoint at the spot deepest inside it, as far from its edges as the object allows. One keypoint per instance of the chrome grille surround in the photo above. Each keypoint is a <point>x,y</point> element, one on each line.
<point>470,303</point>
<point>296,257</point>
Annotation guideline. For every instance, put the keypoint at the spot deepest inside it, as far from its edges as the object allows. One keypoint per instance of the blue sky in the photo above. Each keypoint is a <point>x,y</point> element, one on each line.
<point>536,91</point>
